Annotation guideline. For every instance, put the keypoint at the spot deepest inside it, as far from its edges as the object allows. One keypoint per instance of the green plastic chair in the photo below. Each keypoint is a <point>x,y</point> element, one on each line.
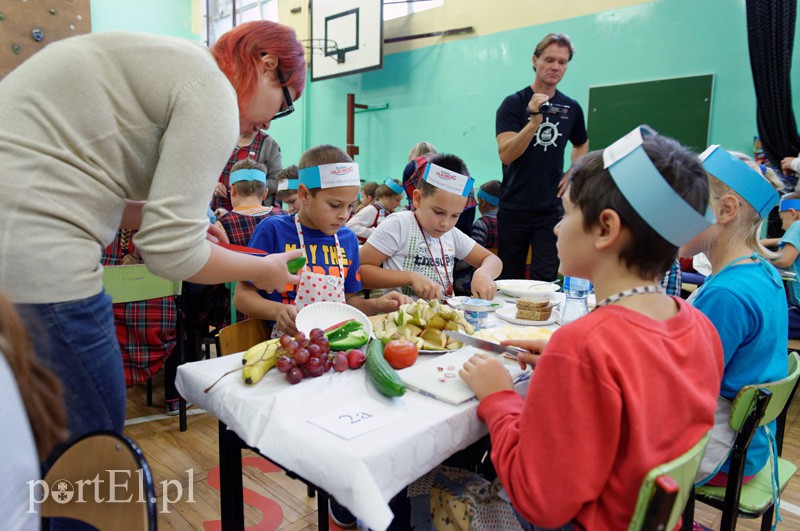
<point>133,283</point>
<point>666,489</point>
<point>754,406</point>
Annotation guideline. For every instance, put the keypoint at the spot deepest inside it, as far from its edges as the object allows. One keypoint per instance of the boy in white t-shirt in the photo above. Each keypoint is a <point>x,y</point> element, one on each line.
<point>418,249</point>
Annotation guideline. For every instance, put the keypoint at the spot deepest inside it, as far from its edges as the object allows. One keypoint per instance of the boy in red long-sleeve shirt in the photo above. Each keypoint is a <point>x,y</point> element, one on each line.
<point>632,385</point>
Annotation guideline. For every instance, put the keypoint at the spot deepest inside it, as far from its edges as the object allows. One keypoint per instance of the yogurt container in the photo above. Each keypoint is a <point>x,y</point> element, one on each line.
<point>476,312</point>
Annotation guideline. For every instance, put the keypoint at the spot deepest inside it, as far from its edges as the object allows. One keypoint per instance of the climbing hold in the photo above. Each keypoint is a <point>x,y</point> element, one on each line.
<point>38,35</point>
<point>16,48</point>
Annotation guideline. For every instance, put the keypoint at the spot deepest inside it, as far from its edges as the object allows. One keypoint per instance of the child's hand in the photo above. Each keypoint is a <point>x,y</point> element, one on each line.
<point>483,287</point>
<point>485,374</point>
<point>216,235</point>
<point>534,346</point>
<point>221,190</point>
<point>274,273</point>
<point>391,301</point>
<point>286,318</point>
<point>425,288</point>
<point>786,164</point>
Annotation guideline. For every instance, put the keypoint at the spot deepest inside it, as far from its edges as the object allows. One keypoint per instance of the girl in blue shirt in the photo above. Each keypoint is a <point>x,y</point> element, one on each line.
<point>743,297</point>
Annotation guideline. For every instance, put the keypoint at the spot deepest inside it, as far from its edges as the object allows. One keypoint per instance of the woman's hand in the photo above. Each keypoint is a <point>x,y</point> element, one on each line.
<point>425,288</point>
<point>485,374</point>
<point>221,190</point>
<point>533,346</point>
<point>286,318</point>
<point>483,286</point>
<point>216,235</point>
<point>274,274</point>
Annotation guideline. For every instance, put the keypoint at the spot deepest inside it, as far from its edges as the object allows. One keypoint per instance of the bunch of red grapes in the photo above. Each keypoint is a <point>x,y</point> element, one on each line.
<point>300,357</point>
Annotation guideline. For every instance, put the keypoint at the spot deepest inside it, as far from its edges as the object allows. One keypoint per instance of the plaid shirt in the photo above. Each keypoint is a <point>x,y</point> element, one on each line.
<point>239,226</point>
<point>412,183</point>
<point>239,153</point>
<point>145,329</point>
<point>672,280</point>
<point>484,231</point>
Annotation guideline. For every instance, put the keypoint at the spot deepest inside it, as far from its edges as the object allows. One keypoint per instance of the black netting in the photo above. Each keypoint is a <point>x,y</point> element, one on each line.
<point>770,35</point>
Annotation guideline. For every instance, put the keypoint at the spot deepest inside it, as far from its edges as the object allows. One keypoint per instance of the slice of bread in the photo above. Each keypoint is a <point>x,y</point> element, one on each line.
<point>536,314</point>
<point>533,302</point>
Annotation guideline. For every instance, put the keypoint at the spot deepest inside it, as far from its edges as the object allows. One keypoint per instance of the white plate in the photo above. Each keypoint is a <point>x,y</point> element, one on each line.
<point>509,314</point>
<point>523,288</point>
<point>325,314</point>
<point>456,302</point>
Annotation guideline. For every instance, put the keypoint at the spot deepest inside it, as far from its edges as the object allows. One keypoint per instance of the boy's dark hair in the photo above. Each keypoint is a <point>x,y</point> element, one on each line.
<point>249,188</point>
<point>492,187</point>
<point>448,162</point>
<point>319,155</point>
<point>290,172</point>
<point>370,188</point>
<point>592,189</point>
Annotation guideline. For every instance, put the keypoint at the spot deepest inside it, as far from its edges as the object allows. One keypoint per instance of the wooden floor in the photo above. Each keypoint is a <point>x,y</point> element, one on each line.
<point>186,471</point>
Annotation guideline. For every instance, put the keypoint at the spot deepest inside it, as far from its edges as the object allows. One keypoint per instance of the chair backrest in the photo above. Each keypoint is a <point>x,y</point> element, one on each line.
<point>781,391</point>
<point>649,504</point>
<point>131,283</point>
<point>129,484</point>
<point>241,336</point>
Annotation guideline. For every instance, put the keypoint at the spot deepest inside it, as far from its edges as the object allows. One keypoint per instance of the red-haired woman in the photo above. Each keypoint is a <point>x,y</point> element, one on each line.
<point>122,130</point>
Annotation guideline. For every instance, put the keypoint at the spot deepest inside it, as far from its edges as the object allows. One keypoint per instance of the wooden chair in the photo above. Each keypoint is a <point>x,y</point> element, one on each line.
<point>241,336</point>
<point>92,456</point>
<point>754,406</point>
<point>133,283</point>
<point>666,489</point>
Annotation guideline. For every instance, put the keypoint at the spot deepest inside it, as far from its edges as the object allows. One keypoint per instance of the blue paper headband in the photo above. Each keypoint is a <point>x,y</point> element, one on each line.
<point>330,175</point>
<point>743,179</point>
<point>649,194</point>
<point>288,184</point>
<point>393,186</point>
<point>448,180</point>
<point>250,174</point>
<point>489,198</point>
<point>786,204</point>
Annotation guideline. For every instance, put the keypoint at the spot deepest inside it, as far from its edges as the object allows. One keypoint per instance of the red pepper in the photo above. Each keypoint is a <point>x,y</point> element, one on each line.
<point>337,325</point>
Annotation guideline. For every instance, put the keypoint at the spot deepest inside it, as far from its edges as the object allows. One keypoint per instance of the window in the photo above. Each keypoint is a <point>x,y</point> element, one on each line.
<point>219,13</point>
<point>401,8</point>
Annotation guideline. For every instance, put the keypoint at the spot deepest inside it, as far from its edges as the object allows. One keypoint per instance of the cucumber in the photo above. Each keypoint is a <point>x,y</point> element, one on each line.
<point>383,377</point>
<point>294,265</point>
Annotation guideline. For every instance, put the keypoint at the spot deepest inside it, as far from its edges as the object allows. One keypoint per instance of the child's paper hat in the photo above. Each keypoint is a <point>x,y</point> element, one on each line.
<point>743,179</point>
<point>650,195</point>
<point>250,174</point>
<point>448,180</point>
<point>288,184</point>
<point>330,175</point>
<point>786,204</point>
<point>393,186</point>
<point>489,198</point>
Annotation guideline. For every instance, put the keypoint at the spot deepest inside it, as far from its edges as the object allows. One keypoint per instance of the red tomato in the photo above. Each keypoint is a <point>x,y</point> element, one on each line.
<point>400,353</point>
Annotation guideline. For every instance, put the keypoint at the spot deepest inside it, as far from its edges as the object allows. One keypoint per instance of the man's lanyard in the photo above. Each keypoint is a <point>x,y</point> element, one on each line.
<point>449,285</point>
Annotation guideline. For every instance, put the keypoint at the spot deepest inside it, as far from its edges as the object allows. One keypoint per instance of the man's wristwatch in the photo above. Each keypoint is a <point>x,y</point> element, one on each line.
<point>531,113</point>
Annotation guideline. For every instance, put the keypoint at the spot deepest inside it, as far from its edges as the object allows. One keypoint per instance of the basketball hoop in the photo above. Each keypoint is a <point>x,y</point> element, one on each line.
<point>324,48</point>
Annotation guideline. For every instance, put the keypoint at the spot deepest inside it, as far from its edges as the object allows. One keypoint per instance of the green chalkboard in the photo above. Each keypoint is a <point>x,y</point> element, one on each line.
<point>678,107</point>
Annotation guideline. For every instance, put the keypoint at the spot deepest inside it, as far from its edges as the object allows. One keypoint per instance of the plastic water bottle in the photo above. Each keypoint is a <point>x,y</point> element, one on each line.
<point>577,304</point>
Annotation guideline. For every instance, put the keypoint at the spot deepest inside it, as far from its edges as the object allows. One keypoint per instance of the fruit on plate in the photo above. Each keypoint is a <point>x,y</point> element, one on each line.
<point>423,323</point>
<point>400,353</point>
<point>347,335</point>
<point>383,377</point>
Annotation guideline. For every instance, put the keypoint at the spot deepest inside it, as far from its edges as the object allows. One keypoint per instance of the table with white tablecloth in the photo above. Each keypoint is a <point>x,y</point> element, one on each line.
<point>283,423</point>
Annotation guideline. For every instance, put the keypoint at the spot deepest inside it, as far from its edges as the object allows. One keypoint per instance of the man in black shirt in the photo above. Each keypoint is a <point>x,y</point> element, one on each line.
<point>531,139</point>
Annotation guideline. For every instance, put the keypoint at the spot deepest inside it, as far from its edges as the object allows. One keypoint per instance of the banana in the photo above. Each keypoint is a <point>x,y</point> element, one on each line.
<point>256,352</point>
<point>254,372</point>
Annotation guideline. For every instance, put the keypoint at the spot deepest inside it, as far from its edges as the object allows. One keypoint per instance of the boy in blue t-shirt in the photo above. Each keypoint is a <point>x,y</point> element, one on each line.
<point>327,193</point>
<point>789,250</point>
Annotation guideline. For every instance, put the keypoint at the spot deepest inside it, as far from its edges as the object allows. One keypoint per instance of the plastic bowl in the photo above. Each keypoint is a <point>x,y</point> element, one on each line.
<point>326,314</point>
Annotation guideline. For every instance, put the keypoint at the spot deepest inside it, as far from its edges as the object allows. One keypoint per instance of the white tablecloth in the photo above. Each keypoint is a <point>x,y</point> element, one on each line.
<point>362,473</point>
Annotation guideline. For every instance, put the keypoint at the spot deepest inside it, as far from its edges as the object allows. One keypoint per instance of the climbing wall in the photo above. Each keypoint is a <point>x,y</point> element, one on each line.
<point>27,26</point>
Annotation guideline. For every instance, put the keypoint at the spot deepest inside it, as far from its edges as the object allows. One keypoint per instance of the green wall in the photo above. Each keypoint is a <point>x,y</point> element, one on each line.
<point>164,17</point>
<point>448,94</point>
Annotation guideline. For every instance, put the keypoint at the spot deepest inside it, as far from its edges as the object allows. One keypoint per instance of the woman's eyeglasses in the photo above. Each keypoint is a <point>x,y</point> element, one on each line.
<point>288,97</point>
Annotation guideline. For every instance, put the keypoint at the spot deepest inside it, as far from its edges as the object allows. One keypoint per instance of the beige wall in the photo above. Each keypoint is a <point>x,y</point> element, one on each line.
<point>485,16</point>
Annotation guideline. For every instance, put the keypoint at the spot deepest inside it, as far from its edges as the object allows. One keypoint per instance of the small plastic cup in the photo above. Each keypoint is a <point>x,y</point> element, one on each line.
<point>476,312</point>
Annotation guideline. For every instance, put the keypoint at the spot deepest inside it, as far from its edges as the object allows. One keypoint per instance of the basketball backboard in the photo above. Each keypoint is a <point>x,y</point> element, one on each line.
<point>346,37</point>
